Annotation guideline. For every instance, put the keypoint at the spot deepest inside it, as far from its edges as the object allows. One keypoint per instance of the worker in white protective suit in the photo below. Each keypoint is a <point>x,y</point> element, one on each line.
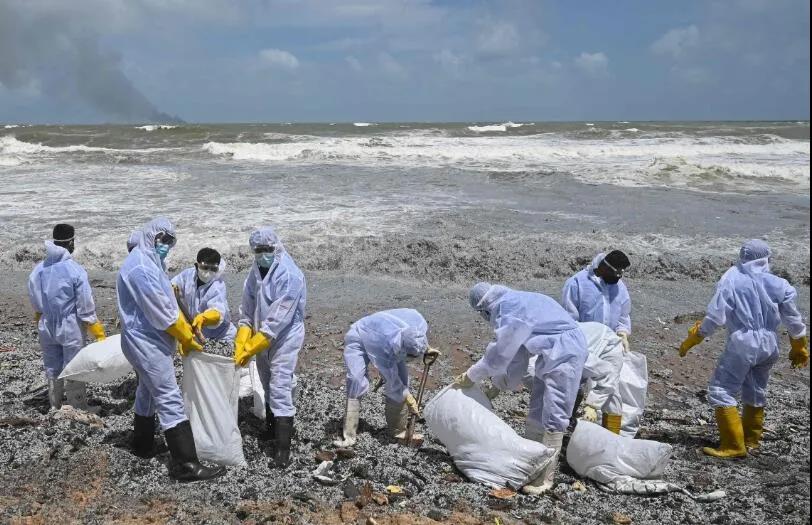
<point>597,294</point>
<point>152,327</point>
<point>601,376</point>
<point>271,327</point>
<point>386,339</point>
<point>528,324</point>
<point>752,303</point>
<point>64,311</point>
<point>202,290</point>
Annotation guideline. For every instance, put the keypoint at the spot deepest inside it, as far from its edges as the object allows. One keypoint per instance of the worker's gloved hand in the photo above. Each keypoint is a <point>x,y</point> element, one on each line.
<point>693,339</point>
<point>96,330</point>
<point>181,330</point>
<point>799,353</point>
<point>208,318</point>
<point>37,317</point>
<point>624,338</point>
<point>252,347</point>
<point>462,381</point>
<point>492,392</point>
<point>411,403</point>
<point>242,337</point>
<point>590,414</point>
<point>432,353</point>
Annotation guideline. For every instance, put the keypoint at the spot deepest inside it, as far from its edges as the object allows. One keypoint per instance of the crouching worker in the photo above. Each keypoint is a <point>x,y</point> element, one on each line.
<point>528,324</point>
<point>202,291</point>
<point>63,310</point>
<point>151,323</point>
<point>386,339</point>
<point>272,328</point>
<point>752,303</point>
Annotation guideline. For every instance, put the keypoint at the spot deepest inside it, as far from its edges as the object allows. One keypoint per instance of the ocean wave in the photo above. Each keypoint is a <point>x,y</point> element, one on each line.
<point>155,127</point>
<point>363,124</point>
<point>14,152</point>
<point>488,128</point>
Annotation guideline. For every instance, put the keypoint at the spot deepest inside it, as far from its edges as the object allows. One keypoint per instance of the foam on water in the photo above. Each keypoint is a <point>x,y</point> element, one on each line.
<point>154,127</point>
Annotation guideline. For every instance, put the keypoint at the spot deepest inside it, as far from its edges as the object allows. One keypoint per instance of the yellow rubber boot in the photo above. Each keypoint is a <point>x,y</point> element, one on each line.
<point>753,423</point>
<point>731,435</point>
<point>612,422</point>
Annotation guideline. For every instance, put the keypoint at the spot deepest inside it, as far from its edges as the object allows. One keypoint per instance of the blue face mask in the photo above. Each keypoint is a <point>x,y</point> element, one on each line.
<point>162,250</point>
<point>264,260</point>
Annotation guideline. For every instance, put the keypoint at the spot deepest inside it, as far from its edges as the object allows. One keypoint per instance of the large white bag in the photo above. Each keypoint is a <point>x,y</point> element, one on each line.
<point>484,448</point>
<point>605,457</point>
<point>633,388</point>
<point>101,362</point>
<point>257,391</point>
<point>211,388</point>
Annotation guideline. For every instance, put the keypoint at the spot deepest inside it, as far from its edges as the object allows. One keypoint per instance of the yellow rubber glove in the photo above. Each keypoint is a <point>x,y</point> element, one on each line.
<point>242,337</point>
<point>252,347</point>
<point>181,330</point>
<point>799,355</point>
<point>208,318</point>
<point>37,317</point>
<point>693,339</point>
<point>96,330</point>
<point>624,338</point>
<point>462,381</point>
<point>411,403</point>
<point>590,414</point>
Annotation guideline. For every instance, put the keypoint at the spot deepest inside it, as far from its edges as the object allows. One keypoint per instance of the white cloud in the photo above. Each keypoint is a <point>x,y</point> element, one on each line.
<point>677,42</point>
<point>593,64</point>
<point>278,58</point>
<point>354,63</point>
<point>392,67</point>
<point>498,39</point>
<point>448,59</point>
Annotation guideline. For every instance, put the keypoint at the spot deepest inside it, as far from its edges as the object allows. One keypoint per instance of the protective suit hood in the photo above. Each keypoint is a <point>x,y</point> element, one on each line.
<point>134,239</point>
<point>55,254</point>
<point>595,263</point>
<point>146,240</point>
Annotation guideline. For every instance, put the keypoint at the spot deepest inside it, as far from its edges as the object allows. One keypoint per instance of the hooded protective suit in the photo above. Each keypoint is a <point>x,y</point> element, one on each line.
<point>147,307</point>
<point>212,295</point>
<point>59,289</point>
<point>752,303</point>
<point>386,339</point>
<point>275,306</point>
<point>528,324</point>
<point>588,298</point>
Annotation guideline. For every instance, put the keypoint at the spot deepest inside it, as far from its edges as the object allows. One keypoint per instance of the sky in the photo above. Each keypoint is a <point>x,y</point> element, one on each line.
<point>95,61</point>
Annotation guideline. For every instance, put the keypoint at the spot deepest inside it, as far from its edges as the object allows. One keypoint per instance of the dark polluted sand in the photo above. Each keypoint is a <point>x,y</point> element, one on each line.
<point>55,471</point>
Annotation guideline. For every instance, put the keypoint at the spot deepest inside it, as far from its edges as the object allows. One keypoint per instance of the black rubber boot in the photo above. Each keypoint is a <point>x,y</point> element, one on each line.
<point>184,465</point>
<point>143,442</point>
<point>270,433</point>
<point>284,433</point>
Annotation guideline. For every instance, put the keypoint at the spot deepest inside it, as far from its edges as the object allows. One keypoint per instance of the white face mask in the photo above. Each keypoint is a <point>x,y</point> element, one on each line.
<point>205,276</point>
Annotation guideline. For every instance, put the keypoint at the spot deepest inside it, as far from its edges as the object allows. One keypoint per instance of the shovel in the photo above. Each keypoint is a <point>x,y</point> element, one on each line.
<point>428,360</point>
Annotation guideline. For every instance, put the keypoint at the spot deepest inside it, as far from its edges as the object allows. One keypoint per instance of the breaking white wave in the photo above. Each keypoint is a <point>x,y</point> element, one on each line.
<point>11,126</point>
<point>362,124</point>
<point>590,124</point>
<point>154,127</point>
<point>14,152</point>
<point>682,161</point>
<point>632,130</point>
<point>488,128</point>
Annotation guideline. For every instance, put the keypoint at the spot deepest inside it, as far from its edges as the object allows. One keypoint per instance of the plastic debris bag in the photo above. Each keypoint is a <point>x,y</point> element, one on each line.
<point>256,389</point>
<point>245,381</point>
<point>485,448</point>
<point>100,362</point>
<point>633,388</point>
<point>211,387</point>
<point>600,455</point>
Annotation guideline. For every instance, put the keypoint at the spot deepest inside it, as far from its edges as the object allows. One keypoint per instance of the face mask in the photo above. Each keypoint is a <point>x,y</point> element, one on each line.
<point>264,260</point>
<point>162,250</point>
<point>205,276</point>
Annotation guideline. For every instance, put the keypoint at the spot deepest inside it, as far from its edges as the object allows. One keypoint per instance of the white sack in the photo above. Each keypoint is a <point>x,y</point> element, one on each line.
<point>245,381</point>
<point>484,448</point>
<point>598,454</point>
<point>211,387</point>
<point>633,388</point>
<point>101,362</point>
<point>257,390</point>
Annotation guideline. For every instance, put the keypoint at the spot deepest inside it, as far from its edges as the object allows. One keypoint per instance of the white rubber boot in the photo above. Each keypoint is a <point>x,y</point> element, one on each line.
<point>56,389</point>
<point>351,416</point>
<point>545,481</point>
<point>76,396</point>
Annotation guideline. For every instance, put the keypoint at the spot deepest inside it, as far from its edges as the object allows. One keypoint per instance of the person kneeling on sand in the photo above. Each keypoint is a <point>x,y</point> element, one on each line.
<point>63,310</point>
<point>386,339</point>
<point>752,303</point>
<point>152,323</point>
<point>526,324</point>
